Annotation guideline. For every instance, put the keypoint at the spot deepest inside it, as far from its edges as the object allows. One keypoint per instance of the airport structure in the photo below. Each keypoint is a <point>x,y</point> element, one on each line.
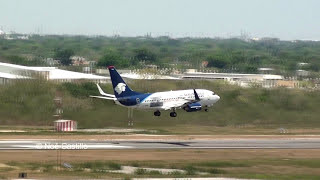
<point>65,125</point>
<point>11,72</point>
<point>244,80</point>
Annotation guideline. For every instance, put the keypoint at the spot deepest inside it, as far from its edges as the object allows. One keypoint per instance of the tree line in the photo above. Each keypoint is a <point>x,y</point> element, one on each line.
<point>236,55</point>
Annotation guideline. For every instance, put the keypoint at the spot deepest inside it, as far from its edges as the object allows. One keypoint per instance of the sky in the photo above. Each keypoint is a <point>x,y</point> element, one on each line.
<point>284,19</point>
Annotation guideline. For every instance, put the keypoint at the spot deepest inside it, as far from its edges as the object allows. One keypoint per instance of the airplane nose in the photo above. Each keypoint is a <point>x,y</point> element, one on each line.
<point>217,98</point>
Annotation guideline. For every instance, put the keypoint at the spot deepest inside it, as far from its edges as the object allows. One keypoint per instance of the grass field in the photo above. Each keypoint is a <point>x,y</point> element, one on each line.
<point>240,110</point>
<point>262,164</point>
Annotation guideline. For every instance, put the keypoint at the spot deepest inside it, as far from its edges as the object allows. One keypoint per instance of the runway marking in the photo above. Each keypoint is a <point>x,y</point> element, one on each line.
<point>18,141</point>
<point>170,144</point>
<point>59,146</point>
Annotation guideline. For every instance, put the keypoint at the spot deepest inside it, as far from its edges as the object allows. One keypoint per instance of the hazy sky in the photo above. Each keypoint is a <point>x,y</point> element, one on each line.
<point>285,19</point>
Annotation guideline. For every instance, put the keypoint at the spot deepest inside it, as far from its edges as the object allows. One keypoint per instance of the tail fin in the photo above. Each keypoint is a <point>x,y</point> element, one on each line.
<point>121,89</point>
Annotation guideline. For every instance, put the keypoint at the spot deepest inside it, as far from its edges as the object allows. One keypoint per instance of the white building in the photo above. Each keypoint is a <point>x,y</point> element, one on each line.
<point>146,76</point>
<point>245,80</point>
<point>12,71</point>
<point>303,64</point>
<point>302,73</point>
<point>265,70</point>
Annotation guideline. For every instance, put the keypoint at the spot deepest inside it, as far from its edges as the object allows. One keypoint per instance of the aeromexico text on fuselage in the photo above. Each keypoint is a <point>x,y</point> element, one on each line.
<point>189,100</point>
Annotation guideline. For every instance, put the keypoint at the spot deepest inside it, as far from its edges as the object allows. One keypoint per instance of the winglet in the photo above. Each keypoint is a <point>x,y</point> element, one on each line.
<point>196,95</point>
<point>100,90</point>
<point>103,93</point>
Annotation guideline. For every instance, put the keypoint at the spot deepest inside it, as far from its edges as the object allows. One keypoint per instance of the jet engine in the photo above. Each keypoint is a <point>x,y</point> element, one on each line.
<point>193,107</point>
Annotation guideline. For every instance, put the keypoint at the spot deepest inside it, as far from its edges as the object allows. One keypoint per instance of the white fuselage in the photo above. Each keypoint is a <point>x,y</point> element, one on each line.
<point>168,99</point>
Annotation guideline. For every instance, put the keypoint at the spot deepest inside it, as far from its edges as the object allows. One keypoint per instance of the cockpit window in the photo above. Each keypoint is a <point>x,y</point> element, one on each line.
<point>213,93</point>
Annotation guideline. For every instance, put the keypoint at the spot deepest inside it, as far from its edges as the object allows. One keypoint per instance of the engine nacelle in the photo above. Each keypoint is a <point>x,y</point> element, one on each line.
<point>193,107</point>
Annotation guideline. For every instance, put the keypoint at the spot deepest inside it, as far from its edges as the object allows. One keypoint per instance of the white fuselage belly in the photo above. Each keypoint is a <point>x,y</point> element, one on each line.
<point>165,100</point>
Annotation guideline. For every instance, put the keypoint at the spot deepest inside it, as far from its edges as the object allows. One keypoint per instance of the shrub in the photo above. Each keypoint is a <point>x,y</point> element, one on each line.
<point>190,170</point>
<point>216,171</point>
<point>140,171</point>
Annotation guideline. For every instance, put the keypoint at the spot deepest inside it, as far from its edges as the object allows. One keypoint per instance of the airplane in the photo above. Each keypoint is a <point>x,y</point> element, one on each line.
<point>190,100</point>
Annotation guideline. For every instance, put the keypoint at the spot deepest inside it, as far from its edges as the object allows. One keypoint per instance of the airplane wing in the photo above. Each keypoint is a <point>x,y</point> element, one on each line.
<point>181,103</point>
<point>104,97</point>
<point>174,104</point>
<point>105,94</point>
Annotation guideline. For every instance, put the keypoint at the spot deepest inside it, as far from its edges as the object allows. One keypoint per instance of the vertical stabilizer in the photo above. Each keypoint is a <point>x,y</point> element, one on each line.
<point>121,89</point>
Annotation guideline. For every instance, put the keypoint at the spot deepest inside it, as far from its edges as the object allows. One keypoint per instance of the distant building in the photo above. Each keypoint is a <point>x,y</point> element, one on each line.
<point>204,64</point>
<point>289,84</point>
<point>14,36</point>
<point>86,69</point>
<point>303,64</point>
<point>302,73</point>
<point>151,66</point>
<point>7,77</point>
<point>10,72</point>
<point>23,37</point>
<point>51,62</point>
<point>146,76</point>
<point>191,70</point>
<point>265,70</point>
<point>245,80</point>
<point>79,61</point>
<point>255,39</point>
<point>102,71</point>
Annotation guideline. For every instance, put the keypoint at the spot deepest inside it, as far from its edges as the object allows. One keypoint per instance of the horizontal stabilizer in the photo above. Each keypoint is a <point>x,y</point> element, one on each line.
<point>103,97</point>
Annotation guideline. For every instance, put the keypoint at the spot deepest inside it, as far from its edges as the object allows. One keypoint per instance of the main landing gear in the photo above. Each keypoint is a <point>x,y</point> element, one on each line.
<point>206,109</point>
<point>157,113</point>
<point>173,114</point>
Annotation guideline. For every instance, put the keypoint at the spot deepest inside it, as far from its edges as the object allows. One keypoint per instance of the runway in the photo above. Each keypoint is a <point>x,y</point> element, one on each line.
<point>305,143</point>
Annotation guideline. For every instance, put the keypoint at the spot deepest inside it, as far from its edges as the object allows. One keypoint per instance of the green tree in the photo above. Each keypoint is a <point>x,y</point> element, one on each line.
<point>216,62</point>
<point>144,54</point>
<point>64,56</point>
<point>113,58</point>
<point>250,68</point>
<point>17,60</point>
<point>23,61</point>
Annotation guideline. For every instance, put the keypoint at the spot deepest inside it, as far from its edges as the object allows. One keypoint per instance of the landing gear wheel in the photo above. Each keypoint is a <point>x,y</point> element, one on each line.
<point>157,113</point>
<point>173,114</point>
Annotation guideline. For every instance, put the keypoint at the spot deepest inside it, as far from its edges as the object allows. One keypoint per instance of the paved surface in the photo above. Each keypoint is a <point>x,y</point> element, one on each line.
<point>215,178</point>
<point>306,143</point>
